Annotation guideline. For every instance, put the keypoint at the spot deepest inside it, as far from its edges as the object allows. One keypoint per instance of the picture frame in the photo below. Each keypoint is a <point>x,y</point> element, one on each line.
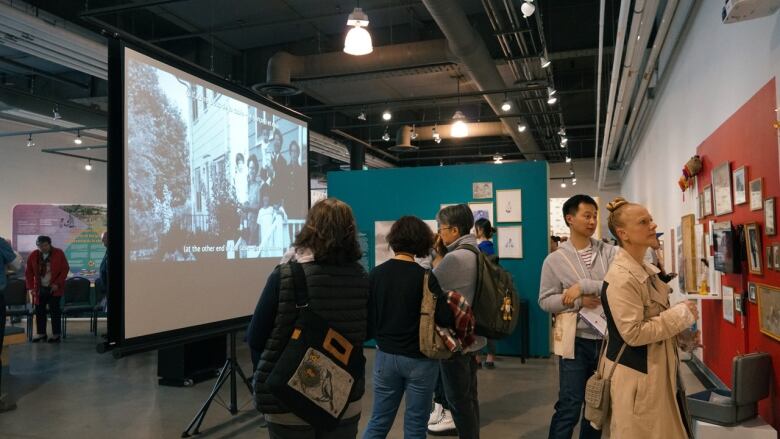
<point>770,258</point>
<point>753,247</point>
<point>740,192</point>
<point>707,200</point>
<point>756,194</point>
<point>510,242</point>
<point>700,203</point>
<point>770,225</point>
<point>689,254</point>
<point>776,255</point>
<point>482,210</point>
<point>509,203</point>
<point>721,186</point>
<point>482,190</point>
<point>738,306</point>
<point>768,298</point>
<point>728,303</point>
<point>751,292</point>
<point>725,246</point>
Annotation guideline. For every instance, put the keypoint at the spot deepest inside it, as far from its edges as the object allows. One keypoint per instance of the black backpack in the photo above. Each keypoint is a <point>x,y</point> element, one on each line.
<point>496,304</point>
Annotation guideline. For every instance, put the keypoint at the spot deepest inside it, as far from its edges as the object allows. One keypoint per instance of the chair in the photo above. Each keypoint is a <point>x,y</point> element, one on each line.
<point>76,300</point>
<point>16,302</point>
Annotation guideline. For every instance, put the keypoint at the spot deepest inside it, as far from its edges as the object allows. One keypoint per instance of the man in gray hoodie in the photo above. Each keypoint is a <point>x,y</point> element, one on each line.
<point>572,278</point>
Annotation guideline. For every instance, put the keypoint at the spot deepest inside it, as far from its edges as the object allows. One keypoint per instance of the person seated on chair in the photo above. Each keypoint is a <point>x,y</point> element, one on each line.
<point>45,275</point>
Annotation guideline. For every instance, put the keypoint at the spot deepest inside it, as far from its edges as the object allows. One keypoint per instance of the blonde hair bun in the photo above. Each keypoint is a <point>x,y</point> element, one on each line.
<point>616,204</point>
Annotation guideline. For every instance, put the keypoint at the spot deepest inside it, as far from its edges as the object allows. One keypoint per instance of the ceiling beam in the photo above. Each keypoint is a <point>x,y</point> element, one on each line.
<point>41,73</point>
<point>124,8</point>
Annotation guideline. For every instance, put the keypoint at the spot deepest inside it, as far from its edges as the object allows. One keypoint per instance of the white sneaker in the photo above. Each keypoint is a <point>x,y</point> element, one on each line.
<point>445,426</point>
<point>436,414</point>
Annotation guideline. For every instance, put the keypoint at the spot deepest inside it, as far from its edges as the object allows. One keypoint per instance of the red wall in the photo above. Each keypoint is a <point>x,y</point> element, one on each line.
<point>746,138</point>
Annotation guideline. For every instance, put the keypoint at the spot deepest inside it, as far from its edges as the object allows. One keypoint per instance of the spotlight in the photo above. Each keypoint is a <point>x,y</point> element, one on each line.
<point>498,158</point>
<point>551,91</point>
<point>441,162</point>
<point>55,113</point>
<point>413,135</point>
<point>521,127</point>
<point>459,128</point>
<point>545,62</point>
<point>506,106</point>
<point>571,171</point>
<point>386,136</point>
<point>564,140</point>
<point>563,145</point>
<point>387,115</point>
<point>88,166</point>
<point>362,115</point>
<point>563,185</point>
<point>527,8</point>
<point>574,182</point>
<point>358,40</point>
<point>435,134</point>
<point>568,159</point>
<point>562,131</point>
<point>551,100</point>
<point>30,142</point>
<point>77,140</point>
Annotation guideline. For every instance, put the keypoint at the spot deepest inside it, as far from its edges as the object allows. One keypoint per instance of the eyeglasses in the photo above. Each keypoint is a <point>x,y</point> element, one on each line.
<point>445,228</point>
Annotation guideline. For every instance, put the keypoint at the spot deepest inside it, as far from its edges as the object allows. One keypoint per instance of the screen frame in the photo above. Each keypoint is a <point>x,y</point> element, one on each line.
<point>116,341</point>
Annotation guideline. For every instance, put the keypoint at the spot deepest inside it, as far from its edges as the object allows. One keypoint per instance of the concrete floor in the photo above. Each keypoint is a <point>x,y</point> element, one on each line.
<point>68,390</point>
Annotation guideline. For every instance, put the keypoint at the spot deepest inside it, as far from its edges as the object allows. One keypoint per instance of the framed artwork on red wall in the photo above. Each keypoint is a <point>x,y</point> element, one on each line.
<point>769,217</point>
<point>753,245</point>
<point>756,194</point>
<point>721,185</point>
<point>740,190</point>
<point>769,310</point>
<point>707,200</point>
<point>770,258</point>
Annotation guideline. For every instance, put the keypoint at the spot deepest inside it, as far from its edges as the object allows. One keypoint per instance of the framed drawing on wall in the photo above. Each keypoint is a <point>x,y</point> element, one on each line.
<point>701,205</point>
<point>721,185</point>
<point>509,206</point>
<point>510,242</point>
<point>770,258</point>
<point>753,247</point>
<point>707,200</point>
<point>728,303</point>
<point>752,292</point>
<point>756,194</point>
<point>482,210</point>
<point>740,193</point>
<point>769,217</point>
<point>768,310</point>
<point>482,189</point>
<point>776,255</point>
<point>689,253</point>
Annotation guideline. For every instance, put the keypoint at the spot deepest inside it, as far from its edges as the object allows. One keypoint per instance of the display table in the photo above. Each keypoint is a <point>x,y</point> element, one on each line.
<point>755,428</point>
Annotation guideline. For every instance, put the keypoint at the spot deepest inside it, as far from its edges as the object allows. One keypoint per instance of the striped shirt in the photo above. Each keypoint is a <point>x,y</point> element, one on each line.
<point>586,255</point>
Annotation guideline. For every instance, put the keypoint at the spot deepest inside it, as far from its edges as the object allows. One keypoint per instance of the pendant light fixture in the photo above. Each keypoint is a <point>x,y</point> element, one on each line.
<point>358,40</point>
<point>459,127</point>
<point>30,142</point>
<point>88,166</point>
<point>77,140</point>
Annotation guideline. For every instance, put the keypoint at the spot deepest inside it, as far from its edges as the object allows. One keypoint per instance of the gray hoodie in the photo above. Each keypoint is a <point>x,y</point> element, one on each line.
<point>563,268</point>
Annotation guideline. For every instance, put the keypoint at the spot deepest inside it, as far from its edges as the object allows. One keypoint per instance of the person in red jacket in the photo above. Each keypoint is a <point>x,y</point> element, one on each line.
<point>46,271</point>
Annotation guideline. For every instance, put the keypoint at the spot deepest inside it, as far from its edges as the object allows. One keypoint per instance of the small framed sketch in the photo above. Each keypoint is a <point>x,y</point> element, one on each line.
<point>707,200</point>
<point>751,292</point>
<point>769,217</point>
<point>728,303</point>
<point>509,206</point>
<point>701,205</point>
<point>776,255</point>
<point>510,242</point>
<point>721,186</point>
<point>753,247</point>
<point>740,193</point>
<point>482,210</point>
<point>482,189</point>
<point>756,194</point>
<point>738,305</point>
<point>770,258</point>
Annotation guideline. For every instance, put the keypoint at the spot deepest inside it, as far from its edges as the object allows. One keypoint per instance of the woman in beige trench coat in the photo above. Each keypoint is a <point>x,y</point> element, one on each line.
<point>645,382</point>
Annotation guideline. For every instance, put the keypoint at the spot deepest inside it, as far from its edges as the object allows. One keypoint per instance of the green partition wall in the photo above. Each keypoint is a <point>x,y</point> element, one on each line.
<point>387,194</point>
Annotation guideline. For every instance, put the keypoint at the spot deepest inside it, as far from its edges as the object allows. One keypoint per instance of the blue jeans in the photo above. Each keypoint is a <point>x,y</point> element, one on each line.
<point>394,375</point>
<point>573,376</point>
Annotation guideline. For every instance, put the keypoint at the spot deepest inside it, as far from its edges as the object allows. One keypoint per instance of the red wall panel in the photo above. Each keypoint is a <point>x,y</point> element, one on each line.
<point>746,138</point>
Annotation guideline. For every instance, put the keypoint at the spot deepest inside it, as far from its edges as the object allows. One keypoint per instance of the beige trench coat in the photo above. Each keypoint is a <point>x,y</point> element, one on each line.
<point>644,405</point>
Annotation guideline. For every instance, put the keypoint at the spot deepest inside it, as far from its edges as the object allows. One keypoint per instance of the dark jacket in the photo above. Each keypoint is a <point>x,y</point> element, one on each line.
<point>338,294</point>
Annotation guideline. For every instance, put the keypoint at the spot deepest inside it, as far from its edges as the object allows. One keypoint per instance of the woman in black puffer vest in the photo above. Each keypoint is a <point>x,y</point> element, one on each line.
<point>328,251</point>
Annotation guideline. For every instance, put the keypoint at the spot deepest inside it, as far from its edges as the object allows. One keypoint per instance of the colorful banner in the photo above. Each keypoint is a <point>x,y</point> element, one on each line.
<point>74,228</point>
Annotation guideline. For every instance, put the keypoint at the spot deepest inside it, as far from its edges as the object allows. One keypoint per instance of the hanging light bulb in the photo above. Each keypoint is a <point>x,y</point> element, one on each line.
<point>521,127</point>
<point>544,62</point>
<point>30,142</point>
<point>527,8</point>
<point>387,115</point>
<point>413,135</point>
<point>88,166</point>
<point>77,140</point>
<point>459,128</point>
<point>358,40</point>
<point>563,185</point>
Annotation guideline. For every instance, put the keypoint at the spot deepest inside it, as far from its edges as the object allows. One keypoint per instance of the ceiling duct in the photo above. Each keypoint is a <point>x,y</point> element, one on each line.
<point>285,69</point>
<point>339,151</point>
<point>466,44</point>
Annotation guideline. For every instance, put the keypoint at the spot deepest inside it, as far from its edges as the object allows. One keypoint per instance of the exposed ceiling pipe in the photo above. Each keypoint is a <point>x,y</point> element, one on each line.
<point>425,133</point>
<point>658,43</point>
<point>613,82</point>
<point>602,8</point>
<point>641,25</point>
<point>336,150</point>
<point>284,69</point>
<point>467,45</point>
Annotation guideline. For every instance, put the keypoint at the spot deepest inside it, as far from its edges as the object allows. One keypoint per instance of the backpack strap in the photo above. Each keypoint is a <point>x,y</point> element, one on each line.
<point>299,285</point>
<point>476,252</point>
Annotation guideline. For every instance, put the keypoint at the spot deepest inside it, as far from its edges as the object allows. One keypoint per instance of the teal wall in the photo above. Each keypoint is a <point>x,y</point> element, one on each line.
<point>387,194</point>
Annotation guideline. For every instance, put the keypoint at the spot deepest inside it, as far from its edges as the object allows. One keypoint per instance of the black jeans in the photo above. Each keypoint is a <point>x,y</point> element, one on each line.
<point>45,298</point>
<point>347,429</point>
<point>459,381</point>
<point>574,374</point>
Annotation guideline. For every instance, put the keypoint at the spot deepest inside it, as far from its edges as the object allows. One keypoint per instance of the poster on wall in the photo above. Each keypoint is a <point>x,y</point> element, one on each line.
<point>510,242</point>
<point>728,303</point>
<point>721,182</point>
<point>509,204</point>
<point>74,228</point>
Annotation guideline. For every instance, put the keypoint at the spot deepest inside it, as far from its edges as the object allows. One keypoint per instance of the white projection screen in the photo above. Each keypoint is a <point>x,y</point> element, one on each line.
<point>215,190</point>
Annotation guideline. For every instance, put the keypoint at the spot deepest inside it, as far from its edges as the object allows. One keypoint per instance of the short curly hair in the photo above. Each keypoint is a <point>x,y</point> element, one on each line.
<point>331,233</point>
<point>410,235</point>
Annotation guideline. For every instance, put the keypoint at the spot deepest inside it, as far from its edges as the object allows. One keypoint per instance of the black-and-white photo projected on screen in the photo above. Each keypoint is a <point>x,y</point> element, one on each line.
<point>215,190</point>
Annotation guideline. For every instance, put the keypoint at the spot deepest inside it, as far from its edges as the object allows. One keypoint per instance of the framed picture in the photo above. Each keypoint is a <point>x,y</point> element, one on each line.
<point>756,194</point>
<point>482,189</point>
<point>689,254</point>
<point>728,303</point>
<point>768,310</point>
<point>701,205</point>
<point>752,292</point>
<point>509,203</point>
<point>707,201</point>
<point>725,248</point>
<point>770,258</point>
<point>769,217</point>
<point>753,246</point>
<point>776,255</point>
<point>510,242</point>
<point>738,307</point>
<point>740,193</point>
<point>721,183</point>
<point>482,210</point>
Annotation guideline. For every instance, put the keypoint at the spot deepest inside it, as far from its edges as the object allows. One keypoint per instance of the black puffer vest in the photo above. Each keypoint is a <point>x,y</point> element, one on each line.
<point>338,294</point>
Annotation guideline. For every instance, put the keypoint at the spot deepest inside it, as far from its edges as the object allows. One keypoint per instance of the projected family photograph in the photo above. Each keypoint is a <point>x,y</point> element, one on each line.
<point>208,171</point>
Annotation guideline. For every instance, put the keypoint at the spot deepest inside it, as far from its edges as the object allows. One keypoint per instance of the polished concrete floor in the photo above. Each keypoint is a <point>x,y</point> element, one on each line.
<point>68,390</point>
